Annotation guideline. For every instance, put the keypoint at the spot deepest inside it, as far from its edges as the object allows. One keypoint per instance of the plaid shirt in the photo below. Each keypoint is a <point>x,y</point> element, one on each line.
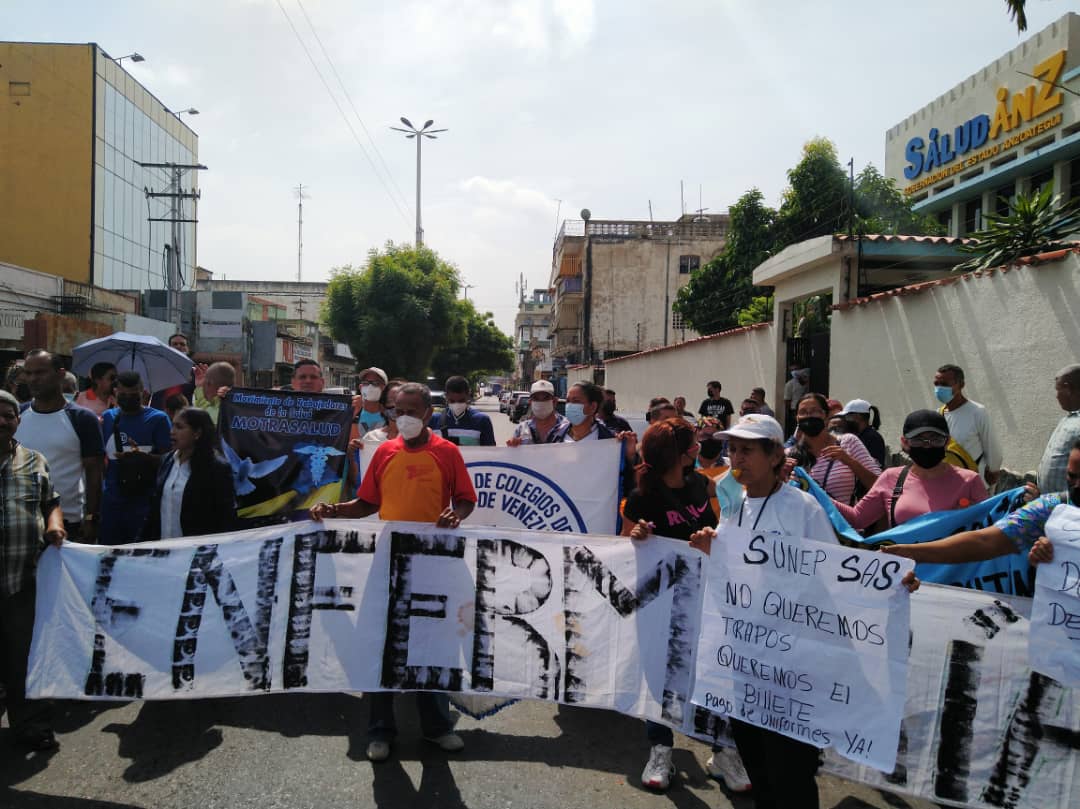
<point>26,498</point>
<point>1055,457</point>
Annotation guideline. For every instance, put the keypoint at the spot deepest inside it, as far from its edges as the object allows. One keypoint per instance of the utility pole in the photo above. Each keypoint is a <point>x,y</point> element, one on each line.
<point>301,196</point>
<point>174,275</point>
<point>851,199</point>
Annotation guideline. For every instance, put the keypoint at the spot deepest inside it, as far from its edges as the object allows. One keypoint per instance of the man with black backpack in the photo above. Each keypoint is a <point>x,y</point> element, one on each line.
<point>135,439</point>
<point>461,424</point>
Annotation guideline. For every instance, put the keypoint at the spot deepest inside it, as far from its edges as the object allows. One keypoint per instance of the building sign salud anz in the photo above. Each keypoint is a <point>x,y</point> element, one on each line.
<point>942,154</point>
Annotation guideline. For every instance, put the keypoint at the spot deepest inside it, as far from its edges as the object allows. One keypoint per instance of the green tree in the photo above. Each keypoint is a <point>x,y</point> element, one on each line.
<point>880,207</point>
<point>815,202</point>
<point>1018,11</point>
<point>1036,224</point>
<point>483,349</point>
<point>397,311</point>
<point>711,301</point>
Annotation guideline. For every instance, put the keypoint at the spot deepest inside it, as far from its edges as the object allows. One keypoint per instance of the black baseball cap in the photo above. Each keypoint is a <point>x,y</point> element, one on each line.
<point>925,421</point>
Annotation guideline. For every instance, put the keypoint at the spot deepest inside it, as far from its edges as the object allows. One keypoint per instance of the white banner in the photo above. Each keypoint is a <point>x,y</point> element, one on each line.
<point>597,621</point>
<point>544,487</point>
<point>1055,611</point>
<point>807,639</point>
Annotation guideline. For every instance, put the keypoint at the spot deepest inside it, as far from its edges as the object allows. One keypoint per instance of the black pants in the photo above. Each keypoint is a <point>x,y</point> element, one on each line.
<point>27,717</point>
<point>781,770</point>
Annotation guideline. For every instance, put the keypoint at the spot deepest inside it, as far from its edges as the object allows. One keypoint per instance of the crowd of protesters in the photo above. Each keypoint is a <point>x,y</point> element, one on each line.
<point>113,464</point>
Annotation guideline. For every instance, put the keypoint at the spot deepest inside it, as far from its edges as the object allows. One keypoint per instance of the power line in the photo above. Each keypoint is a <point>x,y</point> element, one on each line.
<point>341,112</point>
<point>348,98</point>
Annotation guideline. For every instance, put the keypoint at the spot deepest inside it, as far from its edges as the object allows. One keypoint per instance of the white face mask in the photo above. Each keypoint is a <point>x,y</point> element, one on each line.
<point>458,408</point>
<point>543,410</point>
<point>371,393</point>
<point>410,427</point>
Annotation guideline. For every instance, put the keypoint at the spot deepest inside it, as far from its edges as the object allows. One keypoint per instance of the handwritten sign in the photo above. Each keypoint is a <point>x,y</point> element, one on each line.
<point>1055,611</point>
<point>806,639</point>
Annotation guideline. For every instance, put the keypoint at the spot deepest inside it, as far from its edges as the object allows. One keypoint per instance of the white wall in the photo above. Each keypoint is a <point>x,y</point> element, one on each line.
<point>583,373</point>
<point>137,324</point>
<point>740,360</point>
<point>1010,332</point>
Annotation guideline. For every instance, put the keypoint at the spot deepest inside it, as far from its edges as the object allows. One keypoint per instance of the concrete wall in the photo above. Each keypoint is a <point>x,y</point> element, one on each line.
<point>629,277</point>
<point>1009,331</point>
<point>740,360</point>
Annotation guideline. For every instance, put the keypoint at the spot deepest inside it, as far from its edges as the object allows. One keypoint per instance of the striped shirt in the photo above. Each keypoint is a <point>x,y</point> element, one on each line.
<point>836,477</point>
<point>26,499</point>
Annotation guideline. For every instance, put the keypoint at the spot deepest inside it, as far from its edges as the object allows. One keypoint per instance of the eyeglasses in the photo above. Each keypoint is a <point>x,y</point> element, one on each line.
<point>928,440</point>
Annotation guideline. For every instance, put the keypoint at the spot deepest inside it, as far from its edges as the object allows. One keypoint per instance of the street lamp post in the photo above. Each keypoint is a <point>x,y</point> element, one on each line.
<point>188,111</point>
<point>134,56</point>
<point>419,134</point>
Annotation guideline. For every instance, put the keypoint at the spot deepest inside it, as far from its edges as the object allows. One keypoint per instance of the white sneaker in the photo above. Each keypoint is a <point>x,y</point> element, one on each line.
<point>378,751</point>
<point>726,765</point>
<point>450,742</point>
<point>657,773</point>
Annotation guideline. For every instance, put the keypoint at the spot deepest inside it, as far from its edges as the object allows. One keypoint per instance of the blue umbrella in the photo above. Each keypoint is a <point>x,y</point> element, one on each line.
<point>159,365</point>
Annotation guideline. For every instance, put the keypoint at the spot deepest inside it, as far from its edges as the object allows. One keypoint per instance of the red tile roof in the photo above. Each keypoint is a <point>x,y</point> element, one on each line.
<point>915,289</point>
<point>896,237</point>
<point>716,336</point>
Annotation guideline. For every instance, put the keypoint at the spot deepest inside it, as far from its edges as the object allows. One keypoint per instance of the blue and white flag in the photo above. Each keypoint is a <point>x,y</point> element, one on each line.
<point>1010,574</point>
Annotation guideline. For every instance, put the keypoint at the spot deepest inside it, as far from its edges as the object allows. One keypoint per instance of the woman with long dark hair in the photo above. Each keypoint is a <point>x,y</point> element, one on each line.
<point>836,462</point>
<point>194,494</point>
<point>673,500</point>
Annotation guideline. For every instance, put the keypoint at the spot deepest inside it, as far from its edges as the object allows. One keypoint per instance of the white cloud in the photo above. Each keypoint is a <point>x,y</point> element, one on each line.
<point>507,193</point>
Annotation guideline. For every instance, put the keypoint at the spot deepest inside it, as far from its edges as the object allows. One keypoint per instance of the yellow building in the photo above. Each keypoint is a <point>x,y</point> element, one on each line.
<point>74,129</point>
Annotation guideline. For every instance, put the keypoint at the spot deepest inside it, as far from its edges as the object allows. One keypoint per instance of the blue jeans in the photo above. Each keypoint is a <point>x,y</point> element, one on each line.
<point>659,734</point>
<point>433,707</point>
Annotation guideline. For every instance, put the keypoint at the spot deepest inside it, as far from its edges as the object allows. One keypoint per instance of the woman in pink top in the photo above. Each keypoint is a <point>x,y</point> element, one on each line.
<point>930,484</point>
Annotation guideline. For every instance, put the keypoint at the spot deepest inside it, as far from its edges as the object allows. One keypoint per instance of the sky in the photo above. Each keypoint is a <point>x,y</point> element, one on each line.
<point>551,105</point>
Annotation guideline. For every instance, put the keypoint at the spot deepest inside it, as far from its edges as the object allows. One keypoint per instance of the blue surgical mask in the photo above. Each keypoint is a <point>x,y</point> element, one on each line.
<point>70,397</point>
<point>943,394</point>
<point>575,413</point>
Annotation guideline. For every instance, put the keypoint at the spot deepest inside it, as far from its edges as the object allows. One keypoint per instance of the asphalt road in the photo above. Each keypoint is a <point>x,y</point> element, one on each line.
<point>307,750</point>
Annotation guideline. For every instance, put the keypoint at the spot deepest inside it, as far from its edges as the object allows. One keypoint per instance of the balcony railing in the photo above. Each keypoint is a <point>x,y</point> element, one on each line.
<point>569,285</point>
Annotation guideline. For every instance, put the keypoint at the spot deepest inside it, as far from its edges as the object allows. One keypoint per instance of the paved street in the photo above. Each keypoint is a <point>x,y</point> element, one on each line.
<point>308,751</point>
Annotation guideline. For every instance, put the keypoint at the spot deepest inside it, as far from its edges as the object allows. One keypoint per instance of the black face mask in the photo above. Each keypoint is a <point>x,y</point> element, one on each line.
<point>927,457</point>
<point>129,403</point>
<point>853,427</point>
<point>812,426</point>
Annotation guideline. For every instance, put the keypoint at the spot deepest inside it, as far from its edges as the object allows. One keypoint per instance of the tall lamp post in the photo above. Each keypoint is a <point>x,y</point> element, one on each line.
<point>419,134</point>
<point>134,57</point>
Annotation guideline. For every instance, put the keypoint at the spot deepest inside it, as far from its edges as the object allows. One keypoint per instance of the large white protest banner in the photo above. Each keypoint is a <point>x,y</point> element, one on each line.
<point>807,639</point>
<point>1055,611</point>
<point>582,620</point>
<point>543,487</point>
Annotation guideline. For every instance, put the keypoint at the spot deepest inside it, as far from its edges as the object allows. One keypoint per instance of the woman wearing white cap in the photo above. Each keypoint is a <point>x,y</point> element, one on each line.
<point>781,769</point>
<point>863,420</point>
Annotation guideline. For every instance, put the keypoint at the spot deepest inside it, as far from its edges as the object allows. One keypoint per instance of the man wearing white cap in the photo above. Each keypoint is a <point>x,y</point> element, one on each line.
<point>369,404</point>
<point>544,425</point>
<point>863,421</point>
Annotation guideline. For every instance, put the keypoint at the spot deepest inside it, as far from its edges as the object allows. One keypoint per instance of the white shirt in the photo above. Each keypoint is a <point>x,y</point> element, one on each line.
<point>788,512</point>
<point>52,435</point>
<point>172,498</point>
<point>589,436</point>
<point>969,426</point>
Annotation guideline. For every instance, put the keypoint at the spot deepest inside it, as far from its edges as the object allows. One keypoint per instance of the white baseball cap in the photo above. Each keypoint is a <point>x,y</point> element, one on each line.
<point>860,406</point>
<point>379,372</point>
<point>542,386</point>
<point>755,425</point>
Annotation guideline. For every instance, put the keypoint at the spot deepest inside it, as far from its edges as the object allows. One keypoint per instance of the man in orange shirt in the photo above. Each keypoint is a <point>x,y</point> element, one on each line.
<point>418,476</point>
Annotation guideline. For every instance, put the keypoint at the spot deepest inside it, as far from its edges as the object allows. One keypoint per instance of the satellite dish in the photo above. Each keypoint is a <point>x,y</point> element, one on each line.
<point>586,214</point>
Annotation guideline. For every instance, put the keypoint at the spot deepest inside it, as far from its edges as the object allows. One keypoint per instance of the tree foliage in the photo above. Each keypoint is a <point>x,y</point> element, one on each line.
<point>1037,223</point>
<point>397,310</point>
<point>481,350</point>
<point>817,202</point>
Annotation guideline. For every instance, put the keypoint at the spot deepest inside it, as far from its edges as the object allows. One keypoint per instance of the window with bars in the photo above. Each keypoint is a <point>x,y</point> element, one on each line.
<point>677,321</point>
<point>687,264</point>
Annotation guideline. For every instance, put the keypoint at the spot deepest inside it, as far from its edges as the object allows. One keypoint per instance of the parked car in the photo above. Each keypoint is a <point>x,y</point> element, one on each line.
<point>507,406</point>
<point>519,407</point>
<point>438,401</point>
